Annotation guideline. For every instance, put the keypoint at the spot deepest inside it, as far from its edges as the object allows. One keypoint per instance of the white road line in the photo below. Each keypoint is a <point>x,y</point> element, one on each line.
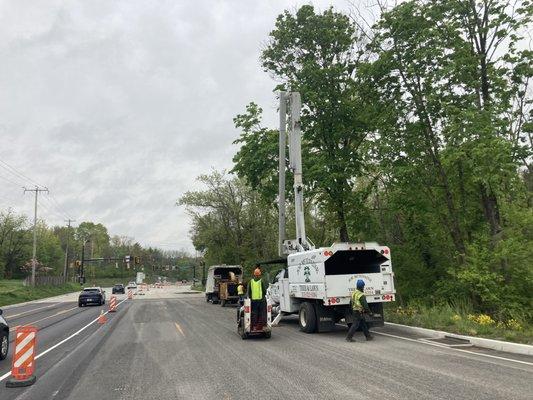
<point>42,319</point>
<point>30,311</point>
<point>6,375</point>
<point>452,348</point>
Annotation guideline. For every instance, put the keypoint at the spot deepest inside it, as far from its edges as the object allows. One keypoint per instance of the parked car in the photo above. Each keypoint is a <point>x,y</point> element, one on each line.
<point>91,295</point>
<point>4,337</point>
<point>118,288</point>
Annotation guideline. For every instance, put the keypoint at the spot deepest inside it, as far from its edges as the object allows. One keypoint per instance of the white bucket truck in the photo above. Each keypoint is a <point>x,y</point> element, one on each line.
<point>317,283</point>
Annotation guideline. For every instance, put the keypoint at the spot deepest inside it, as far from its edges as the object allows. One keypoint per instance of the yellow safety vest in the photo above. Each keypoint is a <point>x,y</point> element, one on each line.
<point>356,300</point>
<point>257,289</point>
<point>240,290</point>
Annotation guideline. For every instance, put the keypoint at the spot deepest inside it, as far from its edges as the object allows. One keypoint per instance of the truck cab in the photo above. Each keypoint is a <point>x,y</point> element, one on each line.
<point>218,274</point>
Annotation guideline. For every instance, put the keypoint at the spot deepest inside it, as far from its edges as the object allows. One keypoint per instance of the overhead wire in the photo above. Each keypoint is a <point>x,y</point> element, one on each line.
<point>19,176</point>
<point>17,173</point>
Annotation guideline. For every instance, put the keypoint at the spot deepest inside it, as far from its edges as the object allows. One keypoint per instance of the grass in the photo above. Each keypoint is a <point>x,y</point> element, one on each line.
<point>460,319</point>
<point>13,292</point>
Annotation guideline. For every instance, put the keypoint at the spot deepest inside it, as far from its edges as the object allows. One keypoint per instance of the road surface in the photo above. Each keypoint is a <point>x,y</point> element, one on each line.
<point>171,344</point>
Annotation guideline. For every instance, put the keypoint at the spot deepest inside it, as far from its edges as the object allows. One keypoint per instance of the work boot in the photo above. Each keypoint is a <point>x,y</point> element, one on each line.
<point>349,339</point>
<point>369,338</point>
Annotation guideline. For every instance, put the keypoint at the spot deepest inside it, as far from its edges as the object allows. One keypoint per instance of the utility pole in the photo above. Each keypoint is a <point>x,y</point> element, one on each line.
<point>281,185</point>
<point>65,269</point>
<point>34,258</point>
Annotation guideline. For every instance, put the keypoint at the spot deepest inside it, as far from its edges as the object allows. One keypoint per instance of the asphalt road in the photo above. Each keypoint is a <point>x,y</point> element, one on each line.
<point>171,344</point>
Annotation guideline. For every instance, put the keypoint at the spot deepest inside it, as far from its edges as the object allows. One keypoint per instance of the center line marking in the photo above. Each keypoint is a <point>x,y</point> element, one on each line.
<point>178,327</point>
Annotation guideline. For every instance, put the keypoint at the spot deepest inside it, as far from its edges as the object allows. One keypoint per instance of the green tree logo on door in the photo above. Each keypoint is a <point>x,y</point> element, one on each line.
<point>307,274</point>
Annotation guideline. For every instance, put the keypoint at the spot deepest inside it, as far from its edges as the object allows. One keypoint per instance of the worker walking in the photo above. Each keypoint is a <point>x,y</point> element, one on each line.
<point>359,307</point>
<point>256,292</point>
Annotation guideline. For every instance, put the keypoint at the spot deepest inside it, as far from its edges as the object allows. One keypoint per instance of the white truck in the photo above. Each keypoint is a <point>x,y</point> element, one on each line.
<point>317,283</point>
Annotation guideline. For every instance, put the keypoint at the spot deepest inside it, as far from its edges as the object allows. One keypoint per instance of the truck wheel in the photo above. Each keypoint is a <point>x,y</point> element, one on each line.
<point>268,335</point>
<point>307,318</point>
<point>223,303</point>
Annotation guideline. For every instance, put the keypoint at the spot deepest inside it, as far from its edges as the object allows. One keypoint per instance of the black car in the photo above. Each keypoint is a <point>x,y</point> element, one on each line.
<point>4,337</point>
<point>118,288</point>
<point>92,295</point>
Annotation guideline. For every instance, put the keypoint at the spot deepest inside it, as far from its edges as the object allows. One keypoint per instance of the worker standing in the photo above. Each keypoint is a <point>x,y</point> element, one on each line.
<point>256,292</point>
<point>240,293</point>
<point>359,307</point>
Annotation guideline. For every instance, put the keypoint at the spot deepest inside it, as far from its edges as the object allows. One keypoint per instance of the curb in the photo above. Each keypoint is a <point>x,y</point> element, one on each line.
<point>498,345</point>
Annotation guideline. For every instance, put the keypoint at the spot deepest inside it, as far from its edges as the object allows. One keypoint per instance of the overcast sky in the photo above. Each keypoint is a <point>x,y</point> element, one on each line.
<point>117,106</point>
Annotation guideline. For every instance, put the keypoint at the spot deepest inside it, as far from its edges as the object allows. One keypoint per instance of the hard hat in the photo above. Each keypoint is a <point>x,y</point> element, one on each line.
<point>257,272</point>
<point>360,284</point>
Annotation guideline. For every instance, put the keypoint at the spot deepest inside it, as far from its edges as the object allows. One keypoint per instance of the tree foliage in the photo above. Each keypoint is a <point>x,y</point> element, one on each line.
<point>417,133</point>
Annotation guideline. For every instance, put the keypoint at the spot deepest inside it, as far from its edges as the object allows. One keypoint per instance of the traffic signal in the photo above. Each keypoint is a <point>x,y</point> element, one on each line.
<point>137,260</point>
<point>78,263</point>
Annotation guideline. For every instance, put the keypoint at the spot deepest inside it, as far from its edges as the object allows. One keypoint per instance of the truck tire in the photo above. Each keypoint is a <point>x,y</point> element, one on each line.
<point>307,318</point>
<point>268,335</point>
<point>223,303</point>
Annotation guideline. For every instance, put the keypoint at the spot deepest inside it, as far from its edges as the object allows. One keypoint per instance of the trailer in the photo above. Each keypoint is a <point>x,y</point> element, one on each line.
<point>228,293</point>
<point>221,274</point>
<point>317,283</point>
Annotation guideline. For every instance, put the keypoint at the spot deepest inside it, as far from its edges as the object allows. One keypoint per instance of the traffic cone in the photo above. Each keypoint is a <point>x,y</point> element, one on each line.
<point>102,318</point>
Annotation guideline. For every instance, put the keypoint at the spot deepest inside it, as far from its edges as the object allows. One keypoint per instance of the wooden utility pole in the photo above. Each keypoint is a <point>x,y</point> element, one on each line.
<point>34,258</point>
<point>65,269</point>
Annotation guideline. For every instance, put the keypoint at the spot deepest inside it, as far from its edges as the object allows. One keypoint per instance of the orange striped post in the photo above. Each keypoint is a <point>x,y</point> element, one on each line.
<point>23,365</point>
<point>113,304</point>
<point>130,294</point>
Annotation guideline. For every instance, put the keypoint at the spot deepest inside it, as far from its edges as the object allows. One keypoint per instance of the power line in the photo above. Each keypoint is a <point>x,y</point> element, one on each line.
<point>16,172</point>
<point>10,181</point>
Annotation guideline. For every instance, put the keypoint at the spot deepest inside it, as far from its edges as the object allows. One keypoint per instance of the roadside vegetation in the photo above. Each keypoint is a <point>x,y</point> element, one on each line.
<point>417,132</point>
<point>461,319</point>
<point>12,291</point>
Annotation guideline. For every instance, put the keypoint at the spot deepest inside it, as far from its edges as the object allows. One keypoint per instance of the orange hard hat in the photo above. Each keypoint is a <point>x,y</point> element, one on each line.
<point>257,272</point>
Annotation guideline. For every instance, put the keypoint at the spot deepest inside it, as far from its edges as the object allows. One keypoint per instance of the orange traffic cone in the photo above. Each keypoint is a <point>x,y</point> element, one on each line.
<point>102,318</point>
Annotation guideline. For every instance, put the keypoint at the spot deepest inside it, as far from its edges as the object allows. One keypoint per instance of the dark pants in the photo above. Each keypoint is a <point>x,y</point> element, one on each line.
<point>359,321</point>
<point>258,312</point>
<point>240,303</point>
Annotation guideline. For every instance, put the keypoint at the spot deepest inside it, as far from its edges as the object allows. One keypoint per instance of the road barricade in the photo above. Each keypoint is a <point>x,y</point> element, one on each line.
<point>102,319</point>
<point>23,364</point>
<point>130,294</point>
<point>113,304</point>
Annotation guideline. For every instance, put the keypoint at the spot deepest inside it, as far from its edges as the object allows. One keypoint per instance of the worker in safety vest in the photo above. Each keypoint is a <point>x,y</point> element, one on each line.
<point>359,307</point>
<point>256,292</point>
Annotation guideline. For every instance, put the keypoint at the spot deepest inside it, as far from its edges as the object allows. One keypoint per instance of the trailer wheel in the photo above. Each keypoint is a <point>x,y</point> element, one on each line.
<point>307,318</point>
<point>268,335</point>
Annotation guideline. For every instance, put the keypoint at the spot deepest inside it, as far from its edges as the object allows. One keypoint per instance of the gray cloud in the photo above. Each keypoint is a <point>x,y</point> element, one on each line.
<point>118,106</point>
